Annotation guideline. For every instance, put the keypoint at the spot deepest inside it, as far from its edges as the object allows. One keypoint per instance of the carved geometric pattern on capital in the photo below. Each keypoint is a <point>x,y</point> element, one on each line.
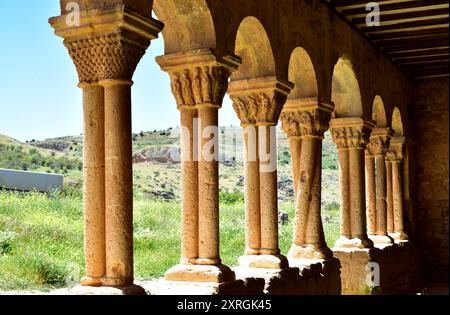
<point>259,101</point>
<point>198,77</point>
<point>379,141</point>
<point>110,56</point>
<point>351,133</point>
<point>107,44</point>
<point>306,117</point>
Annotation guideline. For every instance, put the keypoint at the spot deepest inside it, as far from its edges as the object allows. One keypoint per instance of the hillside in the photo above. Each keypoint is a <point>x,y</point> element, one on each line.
<point>156,162</point>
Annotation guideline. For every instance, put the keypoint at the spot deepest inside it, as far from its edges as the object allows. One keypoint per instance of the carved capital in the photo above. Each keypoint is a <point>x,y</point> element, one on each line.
<point>379,141</point>
<point>198,78</point>
<point>396,149</point>
<point>108,44</point>
<point>351,133</point>
<point>306,117</point>
<point>259,101</point>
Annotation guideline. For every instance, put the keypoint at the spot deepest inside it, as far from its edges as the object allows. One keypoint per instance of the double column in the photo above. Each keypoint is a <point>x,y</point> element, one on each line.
<point>376,185</point>
<point>305,122</point>
<point>199,81</point>
<point>258,104</point>
<point>105,58</point>
<point>395,222</point>
<point>351,136</point>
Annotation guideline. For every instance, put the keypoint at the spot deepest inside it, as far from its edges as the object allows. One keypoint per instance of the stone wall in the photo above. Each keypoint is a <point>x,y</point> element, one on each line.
<point>430,112</point>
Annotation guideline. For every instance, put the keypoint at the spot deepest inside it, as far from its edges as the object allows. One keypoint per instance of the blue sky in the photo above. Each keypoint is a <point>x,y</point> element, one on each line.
<point>38,94</point>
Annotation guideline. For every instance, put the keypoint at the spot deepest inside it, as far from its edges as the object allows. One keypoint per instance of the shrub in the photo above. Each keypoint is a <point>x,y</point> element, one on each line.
<point>231,198</point>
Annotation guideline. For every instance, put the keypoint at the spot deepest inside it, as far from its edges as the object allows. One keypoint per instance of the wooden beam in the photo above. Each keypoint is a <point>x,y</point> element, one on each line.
<point>423,52</point>
<point>397,27</point>
<point>396,6</point>
<point>441,38</point>
<point>404,16</point>
<point>400,34</point>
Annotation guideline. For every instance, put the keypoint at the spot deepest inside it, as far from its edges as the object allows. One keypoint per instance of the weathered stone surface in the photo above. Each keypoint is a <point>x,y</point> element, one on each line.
<point>431,115</point>
<point>398,265</point>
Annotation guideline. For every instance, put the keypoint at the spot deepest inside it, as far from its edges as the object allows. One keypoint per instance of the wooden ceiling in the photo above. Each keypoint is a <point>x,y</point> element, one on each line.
<point>414,34</point>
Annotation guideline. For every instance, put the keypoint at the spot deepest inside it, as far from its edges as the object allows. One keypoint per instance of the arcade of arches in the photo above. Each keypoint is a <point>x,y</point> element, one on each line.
<point>291,62</point>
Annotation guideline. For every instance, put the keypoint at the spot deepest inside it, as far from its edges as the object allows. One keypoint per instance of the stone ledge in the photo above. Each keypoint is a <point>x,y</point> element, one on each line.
<point>238,287</point>
<point>87,290</point>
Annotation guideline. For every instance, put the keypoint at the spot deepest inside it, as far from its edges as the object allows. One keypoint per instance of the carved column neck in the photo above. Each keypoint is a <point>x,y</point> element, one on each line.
<point>259,101</point>
<point>198,78</point>
<point>107,45</point>
<point>351,133</point>
<point>379,141</point>
<point>306,117</point>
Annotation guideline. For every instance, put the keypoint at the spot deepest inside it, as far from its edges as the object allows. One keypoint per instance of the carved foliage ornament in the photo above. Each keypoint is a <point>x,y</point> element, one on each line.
<point>351,137</point>
<point>200,85</point>
<point>378,145</point>
<point>305,123</point>
<point>259,108</point>
<point>110,56</point>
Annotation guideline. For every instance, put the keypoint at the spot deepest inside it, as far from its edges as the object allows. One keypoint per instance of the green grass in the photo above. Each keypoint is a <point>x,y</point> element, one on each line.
<point>41,240</point>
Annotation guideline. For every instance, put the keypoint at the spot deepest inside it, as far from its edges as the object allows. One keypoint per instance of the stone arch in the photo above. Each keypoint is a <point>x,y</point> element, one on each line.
<point>188,25</point>
<point>346,93</point>
<point>254,48</point>
<point>302,73</point>
<point>397,122</point>
<point>379,112</point>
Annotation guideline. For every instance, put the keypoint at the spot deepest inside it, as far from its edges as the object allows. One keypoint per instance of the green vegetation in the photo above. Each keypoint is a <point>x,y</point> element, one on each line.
<point>19,158</point>
<point>41,243</point>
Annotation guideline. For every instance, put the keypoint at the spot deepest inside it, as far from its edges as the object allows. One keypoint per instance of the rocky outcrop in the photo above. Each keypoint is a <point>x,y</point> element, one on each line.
<point>53,145</point>
<point>158,154</point>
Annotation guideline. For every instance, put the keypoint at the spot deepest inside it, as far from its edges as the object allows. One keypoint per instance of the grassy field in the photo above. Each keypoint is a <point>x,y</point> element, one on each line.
<point>41,244</point>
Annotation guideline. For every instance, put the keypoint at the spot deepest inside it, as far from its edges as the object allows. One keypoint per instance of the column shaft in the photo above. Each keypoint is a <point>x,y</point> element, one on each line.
<point>371,195</point>
<point>305,181</point>
<point>189,188</point>
<point>389,198</point>
<point>397,191</point>
<point>381,213</point>
<point>269,193</point>
<point>295,144</point>
<point>357,193</point>
<point>344,179</point>
<point>118,182</point>
<point>208,188</point>
<point>252,183</point>
<point>314,229</point>
<point>94,184</point>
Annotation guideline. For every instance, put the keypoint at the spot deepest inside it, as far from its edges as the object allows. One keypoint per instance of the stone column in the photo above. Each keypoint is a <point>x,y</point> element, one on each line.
<point>409,187</point>
<point>371,194</point>
<point>396,152</point>
<point>105,58</point>
<point>94,183</point>
<point>199,81</point>
<point>377,147</point>
<point>305,122</point>
<point>118,182</point>
<point>258,104</point>
<point>351,136</point>
<point>389,196</point>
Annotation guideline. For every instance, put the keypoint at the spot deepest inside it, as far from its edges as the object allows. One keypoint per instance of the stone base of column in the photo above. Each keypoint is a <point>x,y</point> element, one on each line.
<point>309,252</point>
<point>398,266</point>
<point>344,242</point>
<point>200,273</point>
<point>264,261</point>
<point>105,290</point>
<point>381,239</point>
<point>399,236</point>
